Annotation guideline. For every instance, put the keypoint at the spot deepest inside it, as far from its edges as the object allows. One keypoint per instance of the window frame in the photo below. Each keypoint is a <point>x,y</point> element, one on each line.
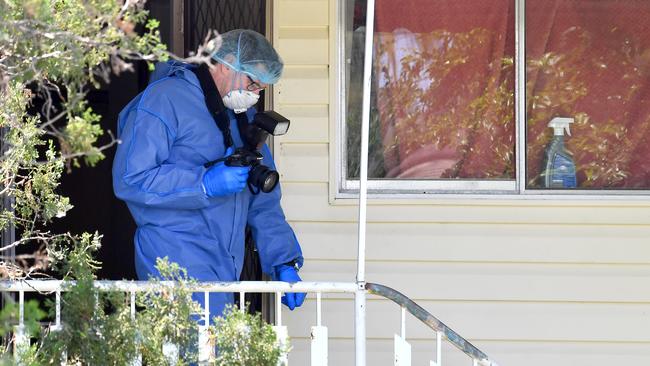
<point>448,188</point>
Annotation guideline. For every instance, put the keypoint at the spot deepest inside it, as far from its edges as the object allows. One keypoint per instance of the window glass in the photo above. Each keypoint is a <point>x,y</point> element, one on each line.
<point>442,103</point>
<point>589,60</point>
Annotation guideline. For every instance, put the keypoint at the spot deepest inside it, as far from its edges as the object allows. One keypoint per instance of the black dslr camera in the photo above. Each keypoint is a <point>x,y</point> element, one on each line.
<point>260,177</point>
<point>254,134</point>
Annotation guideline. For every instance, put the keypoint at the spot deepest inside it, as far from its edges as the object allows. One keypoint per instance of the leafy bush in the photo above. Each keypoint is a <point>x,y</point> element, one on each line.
<point>245,340</point>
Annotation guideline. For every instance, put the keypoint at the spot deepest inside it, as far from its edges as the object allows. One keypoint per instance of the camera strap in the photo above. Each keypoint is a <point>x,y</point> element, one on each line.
<point>214,103</point>
<point>248,132</point>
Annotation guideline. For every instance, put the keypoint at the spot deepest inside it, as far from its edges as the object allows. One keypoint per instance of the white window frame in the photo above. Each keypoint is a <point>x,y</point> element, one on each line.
<point>467,188</point>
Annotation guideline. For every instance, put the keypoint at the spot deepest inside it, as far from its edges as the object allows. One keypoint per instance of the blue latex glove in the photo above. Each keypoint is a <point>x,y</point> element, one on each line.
<point>289,274</point>
<point>222,180</point>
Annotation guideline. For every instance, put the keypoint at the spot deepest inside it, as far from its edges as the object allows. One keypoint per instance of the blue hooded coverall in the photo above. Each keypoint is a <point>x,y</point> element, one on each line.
<point>167,135</point>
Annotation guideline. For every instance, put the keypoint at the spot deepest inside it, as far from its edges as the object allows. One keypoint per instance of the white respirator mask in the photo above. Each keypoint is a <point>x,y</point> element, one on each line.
<point>240,100</point>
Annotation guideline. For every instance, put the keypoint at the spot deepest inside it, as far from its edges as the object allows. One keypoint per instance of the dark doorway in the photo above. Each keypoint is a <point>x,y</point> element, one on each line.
<point>202,16</point>
<point>90,189</point>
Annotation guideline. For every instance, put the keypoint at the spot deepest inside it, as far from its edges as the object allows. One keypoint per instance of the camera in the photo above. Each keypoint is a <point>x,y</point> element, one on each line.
<point>254,134</point>
<point>260,177</point>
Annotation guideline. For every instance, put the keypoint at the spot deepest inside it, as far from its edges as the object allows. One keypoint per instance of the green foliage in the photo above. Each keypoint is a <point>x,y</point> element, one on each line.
<point>245,340</point>
<point>92,322</point>
<point>52,51</point>
<point>167,315</point>
<point>9,314</point>
<point>81,134</point>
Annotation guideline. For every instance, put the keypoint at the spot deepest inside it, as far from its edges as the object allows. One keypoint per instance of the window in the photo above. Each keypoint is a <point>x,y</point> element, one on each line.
<point>446,115</point>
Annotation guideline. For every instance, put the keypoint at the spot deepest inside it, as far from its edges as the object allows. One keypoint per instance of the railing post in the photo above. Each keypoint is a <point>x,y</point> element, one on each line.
<point>281,332</point>
<point>402,349</point>
<point>403,323</point>
<point>57,323</point>
<point>438,350</point>
<point>205,348</point>
<point>21,339</point>
<point>360,326</point>
<point>137,358</point>
<point>318,338</point>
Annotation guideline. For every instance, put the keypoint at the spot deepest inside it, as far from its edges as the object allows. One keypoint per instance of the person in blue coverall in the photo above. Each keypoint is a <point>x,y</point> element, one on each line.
<point>196,216</point>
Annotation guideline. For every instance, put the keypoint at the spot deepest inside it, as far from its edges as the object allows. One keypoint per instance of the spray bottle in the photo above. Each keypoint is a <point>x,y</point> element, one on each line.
<point>559,168</point>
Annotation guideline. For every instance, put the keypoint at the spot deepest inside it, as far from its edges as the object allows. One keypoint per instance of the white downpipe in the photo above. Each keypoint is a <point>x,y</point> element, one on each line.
<point>360,295</point>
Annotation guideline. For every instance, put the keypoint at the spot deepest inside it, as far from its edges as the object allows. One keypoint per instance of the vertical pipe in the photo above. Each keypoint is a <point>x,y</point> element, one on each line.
<point>278,309</point>
<point>365,128</point>
<point>318,309</point>
<point>360,294</point>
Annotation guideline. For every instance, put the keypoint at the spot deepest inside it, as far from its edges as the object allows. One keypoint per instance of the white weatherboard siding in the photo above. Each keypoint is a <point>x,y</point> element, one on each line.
<point>530,282</point>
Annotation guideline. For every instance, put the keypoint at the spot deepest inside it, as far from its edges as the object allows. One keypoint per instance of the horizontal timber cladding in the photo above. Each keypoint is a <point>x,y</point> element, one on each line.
<point>529,353</point>
<point>530,282</point>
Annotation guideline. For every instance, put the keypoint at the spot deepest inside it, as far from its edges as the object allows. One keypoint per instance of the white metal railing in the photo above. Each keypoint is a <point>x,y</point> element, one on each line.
<point>319,334</point>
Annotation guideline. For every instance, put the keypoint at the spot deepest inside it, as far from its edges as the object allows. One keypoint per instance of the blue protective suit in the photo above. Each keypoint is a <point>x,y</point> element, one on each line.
<point>167,134</point>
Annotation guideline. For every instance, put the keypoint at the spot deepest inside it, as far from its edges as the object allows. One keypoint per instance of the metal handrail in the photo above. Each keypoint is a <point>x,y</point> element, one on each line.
<point>430,321</point>
<point>127,286</point>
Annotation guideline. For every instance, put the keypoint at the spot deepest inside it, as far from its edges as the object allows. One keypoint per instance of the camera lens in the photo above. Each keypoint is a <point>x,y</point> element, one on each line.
<point>270,181</point>
<point>263,178</point>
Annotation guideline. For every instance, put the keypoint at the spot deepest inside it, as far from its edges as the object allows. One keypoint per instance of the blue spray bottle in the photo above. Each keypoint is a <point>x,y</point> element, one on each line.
<point>559,168</point>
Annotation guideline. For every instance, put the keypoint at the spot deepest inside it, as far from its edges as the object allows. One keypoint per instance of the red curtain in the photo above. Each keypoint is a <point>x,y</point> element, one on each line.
<point>590,60</point>
<point>444,82</point>
<point>438,70</point>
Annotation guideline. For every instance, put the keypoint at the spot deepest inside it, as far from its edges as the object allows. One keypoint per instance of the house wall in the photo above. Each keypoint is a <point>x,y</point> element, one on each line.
<point>529,281</point>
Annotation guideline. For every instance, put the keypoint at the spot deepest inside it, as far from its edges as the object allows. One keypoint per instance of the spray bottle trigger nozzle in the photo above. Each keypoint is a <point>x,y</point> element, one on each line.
<point>560,125</point>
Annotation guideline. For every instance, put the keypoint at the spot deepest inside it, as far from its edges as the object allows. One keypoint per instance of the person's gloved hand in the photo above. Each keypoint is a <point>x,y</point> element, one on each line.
<point>222,180</point>
<point>289,274</point>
